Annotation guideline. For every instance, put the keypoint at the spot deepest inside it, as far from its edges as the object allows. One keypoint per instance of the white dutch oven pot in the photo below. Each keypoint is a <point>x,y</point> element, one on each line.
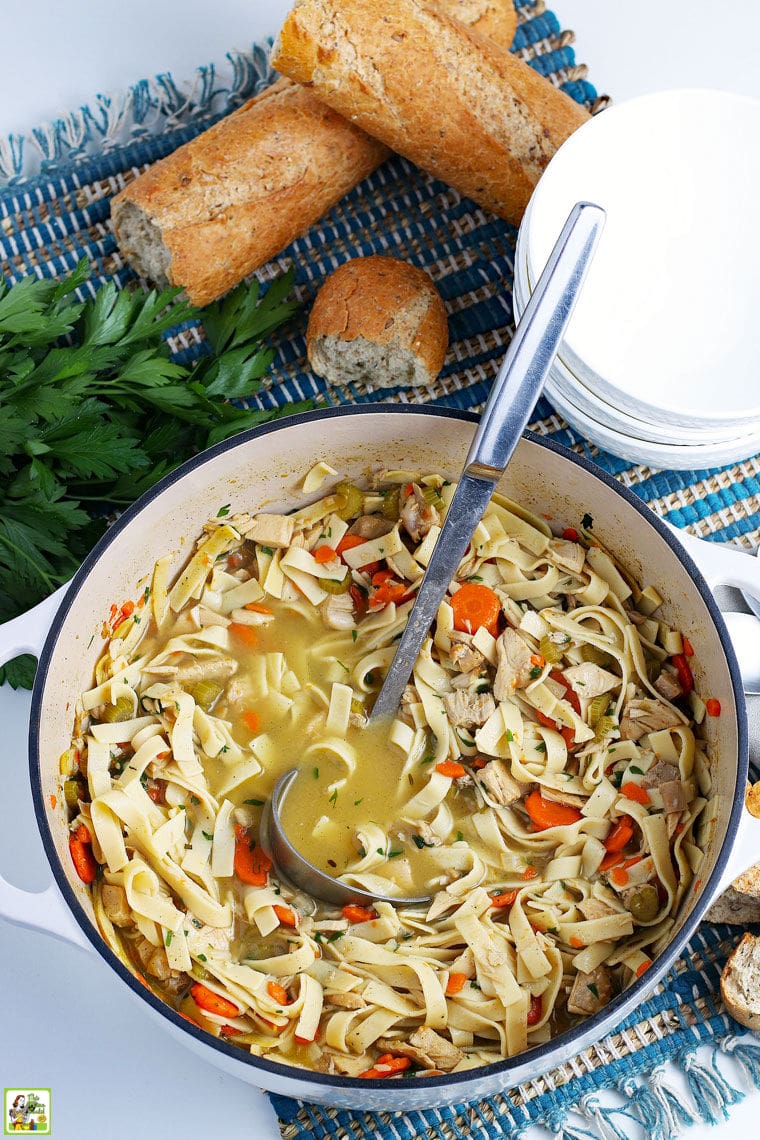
<point>262,468</point>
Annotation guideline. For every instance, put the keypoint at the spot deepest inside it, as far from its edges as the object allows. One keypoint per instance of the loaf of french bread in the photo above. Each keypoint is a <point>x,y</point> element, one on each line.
<point>460,106</point>
<point>232,198</point>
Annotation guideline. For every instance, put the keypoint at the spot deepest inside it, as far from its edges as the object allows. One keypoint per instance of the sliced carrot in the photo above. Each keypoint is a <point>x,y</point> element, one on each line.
<point>303,1040</point>
<point>644,966</point>
<point>381,576</point>
<point>478,763</point>
<point>451,768</point>
<point>389,1067</point>
<point>635,792</point>
<point>621,833</point>
<point>325,554</point>
<point>713,706</point>
<point>82,856</point>
<point>576,942</point>
<point>476,605</point>
<point>53,801</point>
<point>538,660</point>
<point>619,876</point>
<point>568,735</point>
<point>348,542</point>
<point>543,719</point>
<point>246,634</point>
<point>688,649</point>
<point>506,898</point>
<point>257,608</point>
<point>570,694</point>
<point>389,592</point>
<point>212,1002</point>
<point>611,859</point>
<point>530,872</point>
<point>356,913</point>
<point>570,534</point>
<point>235,560</point>
<point>251,720</point>
<point>278,993</point>
<point>546,813</point>
<point>252,865</point>
<point>455,983</point>
<point>535,1013</point>
<point>684,672</point>
<point>231,1031</point>
<point>127,609</point>
<point>286,916</point>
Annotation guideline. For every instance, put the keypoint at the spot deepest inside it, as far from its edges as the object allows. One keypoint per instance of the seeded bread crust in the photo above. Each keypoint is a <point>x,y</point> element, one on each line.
<point>460,106</point>
<point>740,982</point>
<point>377,319</point>
<point>229,200</point>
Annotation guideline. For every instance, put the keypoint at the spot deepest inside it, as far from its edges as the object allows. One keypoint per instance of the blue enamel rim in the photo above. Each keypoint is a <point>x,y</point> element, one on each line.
<point>542,1057</point>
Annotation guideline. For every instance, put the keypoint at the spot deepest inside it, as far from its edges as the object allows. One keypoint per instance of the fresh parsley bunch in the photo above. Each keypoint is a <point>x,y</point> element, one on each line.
<point>94,409</point>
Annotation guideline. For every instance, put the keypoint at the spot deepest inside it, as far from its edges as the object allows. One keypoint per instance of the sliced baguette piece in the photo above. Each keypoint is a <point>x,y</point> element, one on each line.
<point>377,320</point>
<point>496,19</point>
<point>229,200</point>
<point>740,982</point>
<point>735,907</point>
<point>460,106</point>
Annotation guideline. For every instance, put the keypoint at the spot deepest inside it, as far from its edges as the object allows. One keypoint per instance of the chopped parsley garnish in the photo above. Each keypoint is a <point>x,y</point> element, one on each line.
<point>223,511</point>
<point>362,852</point>
<point>206,835</point>
<point>634,768</point>
<point>336,934</point>
<point>594,989</point>
<point>202,958</point>
<point>541,746</point>
<point>334,797</point>
<point>587,521</point>
<point>357,802</point>
<point>168,938</point>
<point>419,842</point>
<point>267,550</point>
<point>474,985</point>
<point>354,634</point>
<point>509,735</point>
<point>254,803</point>
<point>427,759</point>
<point>395,854</point>
<point>315,773</point>
<point>194,799</point>
<point>460,837</point>
<point>343,666</point>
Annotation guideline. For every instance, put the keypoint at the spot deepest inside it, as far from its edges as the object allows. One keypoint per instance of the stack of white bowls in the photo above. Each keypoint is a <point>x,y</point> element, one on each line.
<point>661,361</point>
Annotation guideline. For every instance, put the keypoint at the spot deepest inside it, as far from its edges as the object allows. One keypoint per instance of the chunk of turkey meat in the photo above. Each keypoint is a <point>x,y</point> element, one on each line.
<point>569,555</point>
<point>468,709</point>
<point>114,899</point>
<point>418,515</point>
<point>499,784</point>
<point>595,908</point>
<point>585,1000</point>
<point>426,1047</point>
<point>513,664</point>
<point>271,530</point>
<point>668,686</point>
<point>346,1001</point>
<point>371,526</point>
<point>590,680</point>
<point>464,656</point>
<point>338,611</point>
<point>641,717</point>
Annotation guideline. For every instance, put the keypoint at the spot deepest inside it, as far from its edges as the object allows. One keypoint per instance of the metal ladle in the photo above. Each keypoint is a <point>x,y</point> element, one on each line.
<point>514,395</point>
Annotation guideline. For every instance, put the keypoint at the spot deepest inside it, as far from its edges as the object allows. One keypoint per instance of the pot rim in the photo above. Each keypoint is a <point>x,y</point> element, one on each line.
<point>545,1056</point>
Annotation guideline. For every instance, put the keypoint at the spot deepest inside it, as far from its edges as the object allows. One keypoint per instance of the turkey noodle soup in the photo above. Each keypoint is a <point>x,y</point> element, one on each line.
<point>543,780</point>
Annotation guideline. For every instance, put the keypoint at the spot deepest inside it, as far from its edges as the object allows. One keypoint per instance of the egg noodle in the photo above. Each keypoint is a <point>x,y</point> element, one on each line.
<point>542,781</point>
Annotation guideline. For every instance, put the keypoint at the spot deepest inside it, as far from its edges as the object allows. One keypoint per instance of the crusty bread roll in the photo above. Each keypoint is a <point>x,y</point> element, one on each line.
<point>454,102</point>
<point>379,320</point>
<point>735,907</point>
<point>232,198</point>
<point>740,982</point>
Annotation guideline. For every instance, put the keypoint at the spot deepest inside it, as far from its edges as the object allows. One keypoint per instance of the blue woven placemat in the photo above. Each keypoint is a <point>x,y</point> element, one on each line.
<point>55,187</point>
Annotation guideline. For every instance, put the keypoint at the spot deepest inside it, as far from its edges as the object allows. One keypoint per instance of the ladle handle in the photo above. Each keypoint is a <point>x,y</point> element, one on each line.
<point>535,344</point>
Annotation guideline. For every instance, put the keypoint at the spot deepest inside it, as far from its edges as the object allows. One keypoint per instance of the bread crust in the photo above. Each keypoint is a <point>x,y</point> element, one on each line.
<point>732,982</point>
<point>229,200</point>
<point>384,300</point>
<point>460,106</point>
<point>496,19</point>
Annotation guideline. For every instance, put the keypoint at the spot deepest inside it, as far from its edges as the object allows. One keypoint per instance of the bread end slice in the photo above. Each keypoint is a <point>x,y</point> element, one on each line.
<point>740,982</point>
<point>141,243</point>
<point>377,320</point>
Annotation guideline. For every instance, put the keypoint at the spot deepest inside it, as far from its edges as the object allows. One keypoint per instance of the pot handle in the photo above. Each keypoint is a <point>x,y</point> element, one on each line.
<point>720,563</point>
<point>724,565</point>
<point>40,910</point>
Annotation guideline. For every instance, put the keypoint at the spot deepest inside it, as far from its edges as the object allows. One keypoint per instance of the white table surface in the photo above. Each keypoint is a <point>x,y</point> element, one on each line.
<point>67,1023</point>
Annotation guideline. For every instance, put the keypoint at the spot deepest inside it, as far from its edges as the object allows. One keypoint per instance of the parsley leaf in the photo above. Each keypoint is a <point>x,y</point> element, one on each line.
<point>96,409</point>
